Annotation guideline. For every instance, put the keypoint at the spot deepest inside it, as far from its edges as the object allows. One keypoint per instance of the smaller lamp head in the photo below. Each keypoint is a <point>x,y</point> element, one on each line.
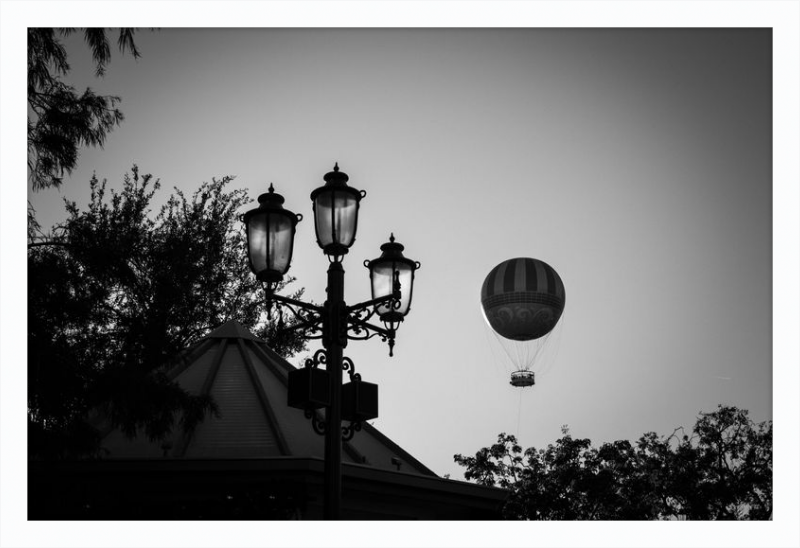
<point>392,266</point>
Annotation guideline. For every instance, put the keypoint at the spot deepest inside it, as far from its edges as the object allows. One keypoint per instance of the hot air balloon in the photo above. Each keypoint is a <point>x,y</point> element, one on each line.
<point>522,300</point>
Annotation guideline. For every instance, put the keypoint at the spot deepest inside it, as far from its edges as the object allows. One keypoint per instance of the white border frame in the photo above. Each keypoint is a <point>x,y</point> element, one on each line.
<point>782,16</point>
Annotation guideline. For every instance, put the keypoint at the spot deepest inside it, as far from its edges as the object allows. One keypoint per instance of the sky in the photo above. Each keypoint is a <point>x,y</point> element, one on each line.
<point>636,162</point>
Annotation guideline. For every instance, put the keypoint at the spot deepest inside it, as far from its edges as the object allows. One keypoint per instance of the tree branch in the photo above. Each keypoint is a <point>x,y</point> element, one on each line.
<point>49,242</point>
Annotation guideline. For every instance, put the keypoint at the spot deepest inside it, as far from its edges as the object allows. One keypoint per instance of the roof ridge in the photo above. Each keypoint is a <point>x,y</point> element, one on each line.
<point>232,329</point>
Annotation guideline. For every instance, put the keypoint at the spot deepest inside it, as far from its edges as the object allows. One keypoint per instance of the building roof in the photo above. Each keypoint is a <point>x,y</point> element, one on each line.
<point>248,382</point>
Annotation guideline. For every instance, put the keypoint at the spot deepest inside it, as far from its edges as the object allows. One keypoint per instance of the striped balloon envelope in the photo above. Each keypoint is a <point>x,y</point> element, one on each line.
<point>523,299</point>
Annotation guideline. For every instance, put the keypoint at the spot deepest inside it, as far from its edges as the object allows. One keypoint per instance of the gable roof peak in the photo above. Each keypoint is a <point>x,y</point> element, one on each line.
<point>232,329</point>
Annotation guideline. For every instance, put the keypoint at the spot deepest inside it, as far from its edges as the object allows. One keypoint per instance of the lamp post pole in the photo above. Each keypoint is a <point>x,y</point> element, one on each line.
<point>334,344</point>
<point>270,241</point>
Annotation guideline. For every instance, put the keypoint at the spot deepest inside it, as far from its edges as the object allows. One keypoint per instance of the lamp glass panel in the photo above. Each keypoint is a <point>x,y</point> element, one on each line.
<point>270,241</point>
<point>382,285</point>
<point>279,250</point>
<point>257,240</point>
<point>336,218</point>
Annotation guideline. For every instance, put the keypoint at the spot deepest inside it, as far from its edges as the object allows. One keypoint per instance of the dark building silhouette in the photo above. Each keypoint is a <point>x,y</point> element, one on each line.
<point>260,459</point>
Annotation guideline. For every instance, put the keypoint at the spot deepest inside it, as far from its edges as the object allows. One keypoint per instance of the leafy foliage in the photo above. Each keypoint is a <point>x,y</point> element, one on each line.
<point>119,293</point>
<point>60,119</point>
<point>722,471</point>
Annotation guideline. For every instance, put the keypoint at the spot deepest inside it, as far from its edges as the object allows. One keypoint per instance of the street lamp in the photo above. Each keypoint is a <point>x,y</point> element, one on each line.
<point>270,237</point>
<point>383,272</point>
<point>336,213</point>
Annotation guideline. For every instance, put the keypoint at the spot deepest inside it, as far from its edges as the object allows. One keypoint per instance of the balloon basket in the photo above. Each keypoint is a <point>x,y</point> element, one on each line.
<point>522,378</point>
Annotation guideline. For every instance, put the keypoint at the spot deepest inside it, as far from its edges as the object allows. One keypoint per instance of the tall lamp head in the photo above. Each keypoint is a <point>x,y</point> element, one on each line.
<point>336,214</point>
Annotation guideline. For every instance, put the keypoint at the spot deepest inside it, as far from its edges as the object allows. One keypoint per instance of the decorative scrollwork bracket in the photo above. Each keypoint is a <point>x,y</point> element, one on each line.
<point>320,357</point>
<point>359,316</point>
<point>350,430</point>
<point>319,425</point>
<point>308,317</point>
<point>360,329</point>
<point>355,426</point>
<point>349,367</point>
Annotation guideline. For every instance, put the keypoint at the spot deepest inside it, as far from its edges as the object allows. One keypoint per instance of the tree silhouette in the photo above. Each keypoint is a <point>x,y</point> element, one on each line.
<point>722,471</point>
<point>118,294</point>
<point>61,120</point>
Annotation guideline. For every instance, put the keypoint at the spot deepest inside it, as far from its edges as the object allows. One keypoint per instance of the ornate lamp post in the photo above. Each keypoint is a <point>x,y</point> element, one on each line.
<point>270,238</point>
